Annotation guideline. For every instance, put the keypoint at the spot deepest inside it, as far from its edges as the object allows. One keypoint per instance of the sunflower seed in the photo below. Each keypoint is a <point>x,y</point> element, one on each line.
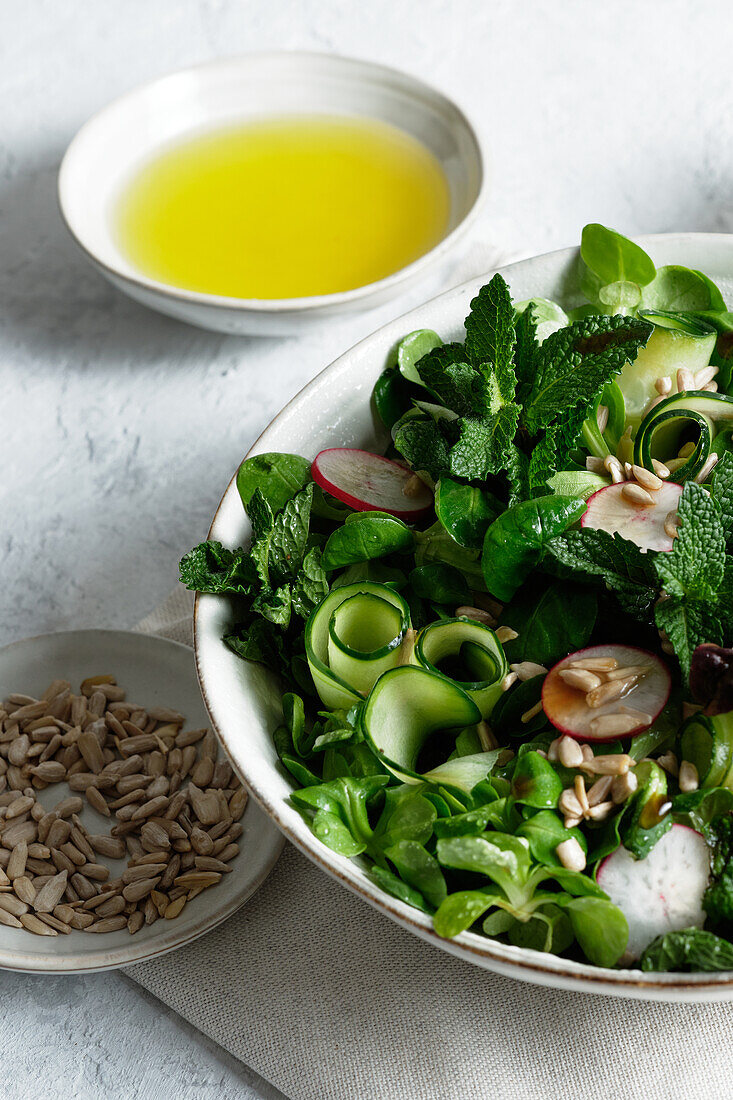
<point>571,855</point>
<point>109,846</point>
<point>34,924</point>
<point>208,863</point>
<point>20,831</point>
<point>12,904</point>
<point>238,803</point>
<point>50,895</point>
<point>108,924</point>
<point>175,908</point>
<point>197,878</point>
<point>527,670</point>
<point>205,805</point>
<point>637,496</point>
<point>24,889</point>
<point>53,922</point>
<point>17,861</point>
<point>9,920</point>
<point>136,891</point>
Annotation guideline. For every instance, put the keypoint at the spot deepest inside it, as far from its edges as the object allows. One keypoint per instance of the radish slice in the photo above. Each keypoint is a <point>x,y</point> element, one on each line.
<point>564,697</point>
<point>370,483</point>
<point>609,510</point>
<point>662,893</point>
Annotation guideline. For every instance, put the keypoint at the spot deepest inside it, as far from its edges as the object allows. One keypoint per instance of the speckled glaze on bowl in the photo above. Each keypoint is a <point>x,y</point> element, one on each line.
<point>110,146</point>
<point>243,700</point>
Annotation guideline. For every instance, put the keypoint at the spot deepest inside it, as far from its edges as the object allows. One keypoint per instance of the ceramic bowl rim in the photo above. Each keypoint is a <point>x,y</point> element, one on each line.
<point>369,69</point>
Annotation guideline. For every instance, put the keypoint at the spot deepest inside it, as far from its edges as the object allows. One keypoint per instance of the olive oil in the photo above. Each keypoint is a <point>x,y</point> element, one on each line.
<point>283,207</point>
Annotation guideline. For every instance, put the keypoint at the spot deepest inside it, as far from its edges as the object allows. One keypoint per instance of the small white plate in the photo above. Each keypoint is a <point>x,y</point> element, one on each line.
<point>153,671</point>
<point>111,145</point>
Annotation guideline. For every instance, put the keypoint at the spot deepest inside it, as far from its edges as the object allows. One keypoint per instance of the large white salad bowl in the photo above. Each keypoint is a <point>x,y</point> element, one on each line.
<point>243,700</point>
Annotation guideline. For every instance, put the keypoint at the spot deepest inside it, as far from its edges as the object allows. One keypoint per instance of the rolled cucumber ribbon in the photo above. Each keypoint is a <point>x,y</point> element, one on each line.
<point>473,650</point>
<point>660,430</point>
<point>405,707</point>
<point>351,638</point>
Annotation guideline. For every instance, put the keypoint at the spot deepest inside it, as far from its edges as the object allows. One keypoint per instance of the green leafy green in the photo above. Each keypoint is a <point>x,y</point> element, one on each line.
<point>678,289</point>
<point>440,583</point>
<point>310,586</point>
<point>535,782</point>
<point>419,869</point>
<point>277,476</point>
<point>613,257</point>
<point>280,544</point>
<point>718,899</point>
<point>694,567</point>
<point>490,334</point>
<point>213,569</point>
<point>482,448</point>
<point>369,535</point>
<point>696,576</point>
<point>515,543</point>
<point>689,950</point>
<point>411,350</point>
<point>575,363</point>
<point>544,831</point>
<point>552,619</point>
<point>721,488</point>
<point>424,446</point>
<point>617,562</point>
<point>465,511</point>
<point>600,928</point>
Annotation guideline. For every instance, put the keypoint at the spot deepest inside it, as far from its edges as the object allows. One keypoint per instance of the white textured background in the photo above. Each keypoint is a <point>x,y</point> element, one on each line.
<point>119,429</point>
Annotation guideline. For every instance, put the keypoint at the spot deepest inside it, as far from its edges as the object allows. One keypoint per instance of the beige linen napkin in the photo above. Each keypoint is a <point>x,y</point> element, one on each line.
<point>330,1000</point>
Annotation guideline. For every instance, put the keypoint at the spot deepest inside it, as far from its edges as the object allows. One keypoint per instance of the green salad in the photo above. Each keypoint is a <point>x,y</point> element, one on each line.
<point>502,641</point>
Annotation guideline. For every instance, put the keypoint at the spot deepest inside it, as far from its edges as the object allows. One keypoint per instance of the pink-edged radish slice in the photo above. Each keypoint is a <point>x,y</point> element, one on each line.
<point>609,510</point>
<point>565,697</point>
<point>370,483</point>
<point>662,893</point>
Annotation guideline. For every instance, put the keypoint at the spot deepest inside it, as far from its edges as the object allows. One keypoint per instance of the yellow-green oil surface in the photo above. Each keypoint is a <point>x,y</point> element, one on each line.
<point>284,207</point>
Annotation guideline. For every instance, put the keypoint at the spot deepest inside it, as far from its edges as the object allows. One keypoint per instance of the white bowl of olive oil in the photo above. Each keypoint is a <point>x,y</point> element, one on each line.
<point>264,193</point>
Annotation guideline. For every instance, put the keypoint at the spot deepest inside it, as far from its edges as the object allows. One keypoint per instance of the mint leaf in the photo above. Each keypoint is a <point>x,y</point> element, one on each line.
<point>260,515</point>
<point>526,348</point>
<point>274,606</point>
<point>543,462</point>
<point>310,586</point>
<point>616,562</point>
<point>424,446</point>
<point>213,569</point>
<point>721,487</point>
<point>278,552</point>
<point>688,624</point>
<point>517,471</point>
<point>261,642</point>
<point>574,363</point>
<point>484,446</point>
<point>694,567</point>
<point>490,334</point>
<point>459,386</point>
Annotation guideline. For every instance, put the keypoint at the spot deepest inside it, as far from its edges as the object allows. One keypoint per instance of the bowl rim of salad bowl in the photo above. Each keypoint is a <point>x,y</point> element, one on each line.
<point>231,687</point>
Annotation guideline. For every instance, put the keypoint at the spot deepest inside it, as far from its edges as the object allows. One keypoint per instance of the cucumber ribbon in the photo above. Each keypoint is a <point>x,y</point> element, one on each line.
<point>351,638</point>
<point>478,651</point>
<point>404,709</point>
<point>660,430</point>
<point>707,742</point>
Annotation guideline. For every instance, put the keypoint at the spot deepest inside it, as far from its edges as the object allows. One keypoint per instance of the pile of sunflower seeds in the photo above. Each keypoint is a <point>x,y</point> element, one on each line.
<point>176,810</point>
